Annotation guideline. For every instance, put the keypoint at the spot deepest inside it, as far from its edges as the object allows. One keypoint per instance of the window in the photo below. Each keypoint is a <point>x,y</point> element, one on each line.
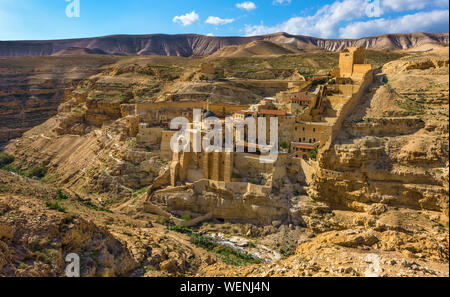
<point>314,129</point>
<point>303,128</point>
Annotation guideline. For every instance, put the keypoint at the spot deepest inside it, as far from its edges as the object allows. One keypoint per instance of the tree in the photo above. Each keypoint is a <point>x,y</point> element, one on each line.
<point>313,153</point>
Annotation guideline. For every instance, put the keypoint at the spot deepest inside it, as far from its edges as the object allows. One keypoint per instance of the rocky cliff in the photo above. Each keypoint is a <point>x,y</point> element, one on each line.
<point>188,45</point>
<point>31,88</point>
<point>394,147</point>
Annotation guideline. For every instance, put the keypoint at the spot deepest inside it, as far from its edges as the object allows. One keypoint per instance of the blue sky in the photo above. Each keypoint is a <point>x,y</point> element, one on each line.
<point>47,19</point>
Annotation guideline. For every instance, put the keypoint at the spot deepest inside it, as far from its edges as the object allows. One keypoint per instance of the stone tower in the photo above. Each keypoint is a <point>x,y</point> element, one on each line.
<point>348,58</point>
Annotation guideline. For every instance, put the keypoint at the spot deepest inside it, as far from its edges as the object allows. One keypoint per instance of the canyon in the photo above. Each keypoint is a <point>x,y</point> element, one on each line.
<point>79,175</point>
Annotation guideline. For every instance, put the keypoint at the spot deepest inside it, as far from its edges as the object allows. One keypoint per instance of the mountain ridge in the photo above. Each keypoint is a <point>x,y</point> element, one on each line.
<point>194,45</point>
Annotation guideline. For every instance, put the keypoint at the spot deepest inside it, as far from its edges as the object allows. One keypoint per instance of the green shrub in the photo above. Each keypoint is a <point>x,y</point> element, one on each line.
<point>55,206</point>
<point>286,252</point>
<point>228,254</point>
<point>38,171</point>
<point>234,257</point>
<point>186,217</point>
<point>204,242</point>
<point>181,229</point>
<point>61,195</point>
<point>5,159</point>
<point>283,145</point>
<point>96,207</point>
<point>313,153</point>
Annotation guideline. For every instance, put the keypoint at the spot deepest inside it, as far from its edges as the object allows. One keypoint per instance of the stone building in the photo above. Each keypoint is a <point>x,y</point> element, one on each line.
<point>309,118</point>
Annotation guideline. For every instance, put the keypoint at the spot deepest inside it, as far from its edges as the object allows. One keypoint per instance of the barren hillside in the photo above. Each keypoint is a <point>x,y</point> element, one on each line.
<point>381,195</point>
<point>189,45</point>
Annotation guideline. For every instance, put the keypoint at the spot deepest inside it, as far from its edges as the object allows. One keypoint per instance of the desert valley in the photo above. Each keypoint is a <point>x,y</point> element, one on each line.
<point>359,186</point>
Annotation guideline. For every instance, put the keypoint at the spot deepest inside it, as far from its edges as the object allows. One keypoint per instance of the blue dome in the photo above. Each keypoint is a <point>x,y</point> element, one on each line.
<point>208,114</point>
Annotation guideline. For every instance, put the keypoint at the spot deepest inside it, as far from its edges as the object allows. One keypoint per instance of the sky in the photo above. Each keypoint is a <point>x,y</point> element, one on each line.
<point>61,19</point>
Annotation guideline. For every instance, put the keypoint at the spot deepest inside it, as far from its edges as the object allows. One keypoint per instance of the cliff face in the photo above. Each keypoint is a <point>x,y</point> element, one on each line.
<point>382,187</point>
<point>32,88</point>
<point>394,148</point>
<point>198,45</point>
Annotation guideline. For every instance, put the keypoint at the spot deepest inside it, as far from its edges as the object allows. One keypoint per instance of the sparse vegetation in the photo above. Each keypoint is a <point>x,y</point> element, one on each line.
<point>55,206</point>
<point>37,171</point>
<point>228,254</point>
<point>61,195</point>
<point>96,207</point>
<point>286,252</point>
<point>313,153</point>
<point>5,159</point>
<point>186,217</point>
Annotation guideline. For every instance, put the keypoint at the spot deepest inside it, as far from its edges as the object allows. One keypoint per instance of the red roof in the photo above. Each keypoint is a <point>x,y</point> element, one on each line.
<point>302,97</point>
<point>272,112</point>
<point>305,147</point>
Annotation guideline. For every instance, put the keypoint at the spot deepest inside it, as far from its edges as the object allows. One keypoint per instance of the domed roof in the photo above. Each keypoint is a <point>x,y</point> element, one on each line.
<point>208,114</point>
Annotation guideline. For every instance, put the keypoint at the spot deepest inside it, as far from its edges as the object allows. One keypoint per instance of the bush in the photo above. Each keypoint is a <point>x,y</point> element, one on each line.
<point>283,145</point>
<point>234,257</point>
<point>5,159</point>
<point>286,252</point>
<point>204,242</point>
<point>317,82</point>
<point>38,171</point>
<point>181,229</point>
<point>228,254</point>
<point>313,153</point>
<point>55,206</point>
<point>96,207</point>
<point>61,195</point>
<point>186,217</point>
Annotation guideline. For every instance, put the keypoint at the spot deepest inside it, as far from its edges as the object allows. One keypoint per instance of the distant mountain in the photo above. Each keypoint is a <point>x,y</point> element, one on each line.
<point>189,45</point>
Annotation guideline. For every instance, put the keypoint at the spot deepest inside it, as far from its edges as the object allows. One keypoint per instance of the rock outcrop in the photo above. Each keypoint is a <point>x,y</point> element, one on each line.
<point>198,45</point>
<point>31,88</point>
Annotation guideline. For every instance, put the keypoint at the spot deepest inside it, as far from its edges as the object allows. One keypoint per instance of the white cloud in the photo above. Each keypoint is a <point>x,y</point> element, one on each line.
<point>246,5</point>
<point>324,23</point>
<point>404,5</point>
<point>348,18</point>
<point>417,22</point>
<point>210,34</point>
<point>281,2</point>
<point>187,19</point>
<point>218,21</point>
